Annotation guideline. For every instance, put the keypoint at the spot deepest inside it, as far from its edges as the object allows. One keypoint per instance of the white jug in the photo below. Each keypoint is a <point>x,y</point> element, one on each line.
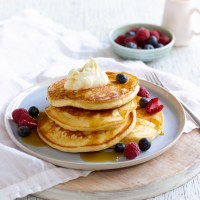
<point>177,18</point>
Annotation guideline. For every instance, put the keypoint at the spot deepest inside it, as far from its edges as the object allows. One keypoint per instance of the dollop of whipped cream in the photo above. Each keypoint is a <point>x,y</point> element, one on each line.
<point>89,76</point>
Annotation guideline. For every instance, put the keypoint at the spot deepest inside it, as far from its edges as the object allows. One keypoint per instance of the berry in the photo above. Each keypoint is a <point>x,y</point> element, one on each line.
<point>144,144</point>
<point>130,33</point>
<point>23,131</point>
<point>143,92</point>
<point>120,39</point>
<point>121,78</point>
<point>27,120</point>
<point>155,33</point>
<point>142,34</point>
<point>134,29</point>
<point>148,46</point>
<point>152,40</point>
<point>33,111</point>
<point>132,150</point>
<point>119,147</point>
<point>131,45</point>
<point>129,39</point>
<point>143,102</point>
<point>16,114</point>
<point>153,106</point>
<point>159,45</point>
<point>164,40</point>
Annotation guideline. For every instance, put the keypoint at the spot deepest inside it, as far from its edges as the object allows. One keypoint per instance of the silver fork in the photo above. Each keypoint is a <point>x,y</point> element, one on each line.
<point>152,77</point>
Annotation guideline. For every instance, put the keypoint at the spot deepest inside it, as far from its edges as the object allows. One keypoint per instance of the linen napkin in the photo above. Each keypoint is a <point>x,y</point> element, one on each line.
<point>34,49</point>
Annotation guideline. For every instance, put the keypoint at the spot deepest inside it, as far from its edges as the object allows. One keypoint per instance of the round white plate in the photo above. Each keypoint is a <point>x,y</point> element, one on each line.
<point>173,127</point>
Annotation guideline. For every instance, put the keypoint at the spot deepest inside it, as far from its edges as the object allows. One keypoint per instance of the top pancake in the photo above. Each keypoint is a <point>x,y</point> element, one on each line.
<point>110,96</point>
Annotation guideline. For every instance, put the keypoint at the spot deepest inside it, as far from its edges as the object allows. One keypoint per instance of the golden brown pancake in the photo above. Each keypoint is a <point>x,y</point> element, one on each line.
<point>74,119</point>
<point>110,96</point>
<point>147,126</point>
<point>81,141</point>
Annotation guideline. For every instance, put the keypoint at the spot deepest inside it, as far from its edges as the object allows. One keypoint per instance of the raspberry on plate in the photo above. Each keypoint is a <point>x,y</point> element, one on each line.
<point>27,120</point>
<point>132,150</point>
<point>16,114</point>
<point>153,106</point>
<point>143,92</point>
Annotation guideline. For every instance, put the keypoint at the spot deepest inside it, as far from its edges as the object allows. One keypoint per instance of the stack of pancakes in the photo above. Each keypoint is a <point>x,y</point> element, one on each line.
<point>97,118</point>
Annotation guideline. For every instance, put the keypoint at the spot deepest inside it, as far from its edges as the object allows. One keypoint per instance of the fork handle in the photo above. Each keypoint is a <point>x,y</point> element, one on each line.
<point>193,116</point>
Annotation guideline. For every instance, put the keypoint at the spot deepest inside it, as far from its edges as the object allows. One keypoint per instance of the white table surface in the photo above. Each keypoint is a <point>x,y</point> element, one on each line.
<point>99,17</point>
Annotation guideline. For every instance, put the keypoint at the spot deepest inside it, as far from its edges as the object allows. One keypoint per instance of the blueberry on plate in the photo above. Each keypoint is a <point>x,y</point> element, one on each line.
<point>119,147</point>
<point>148,46</point>
<point>33,111</point>
<point>152,40</point>
<point>144,144</point>
<point>23,131</point>
<point>121,78</point>
<point>143,102</point>
<point>131,45</point>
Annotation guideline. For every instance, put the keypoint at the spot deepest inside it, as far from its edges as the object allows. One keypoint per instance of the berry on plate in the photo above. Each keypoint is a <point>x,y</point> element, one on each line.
<point>143,102</point>
<point>144,144</point>
<point>120,39</point>
<point>153,106</point>
<point>121,78</point>
<point>164,40</point>
<point>27,120</point>
<point>143,92</point>
<point>119,147</point>
<point>23,131</point>
<point>142,34</point>
<point>16,114</point>
<point>33,111</point>
<point>132,150</point>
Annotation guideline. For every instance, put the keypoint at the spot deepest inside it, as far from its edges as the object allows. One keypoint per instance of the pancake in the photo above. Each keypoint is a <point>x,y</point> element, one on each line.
<point>110,96</point>
<point>147,126</point>
<point>74,119</point>
<point>78,141</point>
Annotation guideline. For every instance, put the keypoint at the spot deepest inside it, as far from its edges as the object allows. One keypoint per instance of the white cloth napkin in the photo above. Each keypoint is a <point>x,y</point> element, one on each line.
<point>33,49</point>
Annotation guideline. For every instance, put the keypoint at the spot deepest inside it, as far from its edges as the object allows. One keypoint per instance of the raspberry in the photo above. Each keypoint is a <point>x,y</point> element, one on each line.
<point>129,39</point>
<point>142,34</point>
<point>134,29</point>
<point>155,33</point>
<point>164,40</point>
<point>27,120</point>
<point>16,114</point>
<point>153,106</point>
<point>120,39</point>
<point>143,92</point>
<point>132,150</point>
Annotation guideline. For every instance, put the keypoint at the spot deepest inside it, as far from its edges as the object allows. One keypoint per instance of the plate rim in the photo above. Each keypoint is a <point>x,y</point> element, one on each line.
<point>90,165</point>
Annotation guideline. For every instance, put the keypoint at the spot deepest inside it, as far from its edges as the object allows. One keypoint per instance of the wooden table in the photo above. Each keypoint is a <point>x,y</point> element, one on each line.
<point>99,17</point>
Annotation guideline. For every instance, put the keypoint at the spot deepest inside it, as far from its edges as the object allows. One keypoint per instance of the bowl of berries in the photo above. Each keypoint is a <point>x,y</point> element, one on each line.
<point>146,42</point>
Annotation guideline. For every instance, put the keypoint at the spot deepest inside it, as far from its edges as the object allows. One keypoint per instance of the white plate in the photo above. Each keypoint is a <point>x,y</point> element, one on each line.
<point>173,126</point>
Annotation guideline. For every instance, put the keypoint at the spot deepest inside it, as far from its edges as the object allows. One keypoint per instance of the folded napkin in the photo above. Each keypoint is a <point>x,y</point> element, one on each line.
<point>33,49</point>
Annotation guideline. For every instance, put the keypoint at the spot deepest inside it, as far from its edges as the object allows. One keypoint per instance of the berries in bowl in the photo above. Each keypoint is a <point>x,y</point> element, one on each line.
<point>144,42</point>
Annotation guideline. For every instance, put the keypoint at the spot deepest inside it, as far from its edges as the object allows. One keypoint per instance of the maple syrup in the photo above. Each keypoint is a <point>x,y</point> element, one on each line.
<point>101,156</point>
<point>34,139</point>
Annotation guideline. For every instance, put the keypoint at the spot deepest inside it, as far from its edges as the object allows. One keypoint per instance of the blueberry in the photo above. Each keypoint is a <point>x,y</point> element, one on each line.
<point>130,33</point>
<point>131,45</point>
<point>119,147</point>
<point>152,40</point>
<point>159,45</point>
<point>23,131</point>
<point>148,46</point>
<point>144,144</point>
<point>121,78</point>
<point>33,111</point>
<point>143,102</point>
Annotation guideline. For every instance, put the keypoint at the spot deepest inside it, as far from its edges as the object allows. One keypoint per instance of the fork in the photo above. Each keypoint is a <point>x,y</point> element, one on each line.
<point>152,77</point>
